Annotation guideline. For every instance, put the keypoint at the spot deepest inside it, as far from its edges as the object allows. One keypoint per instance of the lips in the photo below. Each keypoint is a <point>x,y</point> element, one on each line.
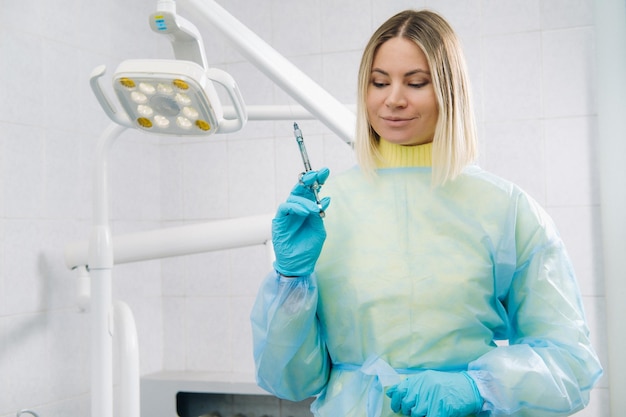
<point>396,121</point>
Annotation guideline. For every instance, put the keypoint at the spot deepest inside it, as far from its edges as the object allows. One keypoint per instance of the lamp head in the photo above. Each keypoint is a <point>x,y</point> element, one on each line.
<point>168,97</point>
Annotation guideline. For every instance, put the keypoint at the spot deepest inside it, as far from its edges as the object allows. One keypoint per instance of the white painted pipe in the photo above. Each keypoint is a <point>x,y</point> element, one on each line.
<point>125,337</point>
<point>610,27</point>
<point>83,288</point>
<point>100,261</point>
<point>177,241</point>
<point>290,78</point>
<point>271,112</point>
<point>275,112</point>
<point>101,345</point>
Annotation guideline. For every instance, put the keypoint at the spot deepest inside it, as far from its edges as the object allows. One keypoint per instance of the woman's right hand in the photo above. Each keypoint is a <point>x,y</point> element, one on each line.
<point>298,231</point>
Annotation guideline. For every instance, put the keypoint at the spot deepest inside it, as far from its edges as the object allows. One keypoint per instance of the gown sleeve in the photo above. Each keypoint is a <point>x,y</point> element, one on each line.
<point>549,366</point>
<point>290,356</point>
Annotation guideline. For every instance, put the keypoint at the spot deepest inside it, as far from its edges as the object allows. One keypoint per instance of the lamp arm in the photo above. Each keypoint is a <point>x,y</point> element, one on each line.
<point>184,35</point>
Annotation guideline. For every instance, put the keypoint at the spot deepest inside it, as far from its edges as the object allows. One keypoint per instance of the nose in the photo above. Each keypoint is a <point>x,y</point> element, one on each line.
<point>396,97</point>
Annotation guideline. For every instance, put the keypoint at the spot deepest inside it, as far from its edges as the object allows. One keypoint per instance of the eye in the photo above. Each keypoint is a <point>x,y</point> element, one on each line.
<point>379,84</point>
<point>418,85</point>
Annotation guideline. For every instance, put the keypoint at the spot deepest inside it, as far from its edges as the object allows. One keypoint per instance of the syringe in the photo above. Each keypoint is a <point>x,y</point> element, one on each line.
<point>307,165</point>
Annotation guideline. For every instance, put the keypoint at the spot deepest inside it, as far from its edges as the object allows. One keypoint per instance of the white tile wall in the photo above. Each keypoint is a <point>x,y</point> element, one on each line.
<point>249,191</point>
<point>566,13</point>
<point>578,227</point>
<point>510,16</point>
<point>531,64</point>
<point>209,334</point>
<point>344,27</point>
<point>572,177</point>
<point>567,72</point>
<point>24,282</point>
<point>23,171</point>
<point>302,24</point>
<point>464,17</point>
<point>512,73</point>
<point>515,150</point>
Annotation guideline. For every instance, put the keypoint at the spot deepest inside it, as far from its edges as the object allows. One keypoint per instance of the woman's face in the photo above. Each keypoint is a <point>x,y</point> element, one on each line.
<point>401,103</point>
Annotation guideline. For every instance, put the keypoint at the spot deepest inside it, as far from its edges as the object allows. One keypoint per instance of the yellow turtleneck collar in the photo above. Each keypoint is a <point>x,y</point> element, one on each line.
<point>396,156</point>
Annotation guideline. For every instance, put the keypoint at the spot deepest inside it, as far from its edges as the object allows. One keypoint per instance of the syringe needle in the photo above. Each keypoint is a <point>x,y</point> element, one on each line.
<point>307,165</point>
<point>305,157</point>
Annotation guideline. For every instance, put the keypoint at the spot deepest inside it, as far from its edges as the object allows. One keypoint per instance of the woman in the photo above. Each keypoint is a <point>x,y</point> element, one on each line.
<point>393,303</point>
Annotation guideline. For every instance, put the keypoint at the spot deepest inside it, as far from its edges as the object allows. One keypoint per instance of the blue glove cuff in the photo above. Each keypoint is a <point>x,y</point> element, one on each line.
<point>281,275</point>
<point>477,397</point>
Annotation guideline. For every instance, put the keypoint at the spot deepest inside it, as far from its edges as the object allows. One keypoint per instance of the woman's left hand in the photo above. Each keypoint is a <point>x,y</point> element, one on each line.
<point>436,394</point>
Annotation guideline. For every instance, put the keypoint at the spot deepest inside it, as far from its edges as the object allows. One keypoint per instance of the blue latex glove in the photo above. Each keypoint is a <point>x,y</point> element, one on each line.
<point>298,230</point>
<point>436,394</point>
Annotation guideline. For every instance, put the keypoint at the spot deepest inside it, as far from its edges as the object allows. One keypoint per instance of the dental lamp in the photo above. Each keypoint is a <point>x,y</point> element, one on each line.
<point>169,97</point>
<point>172,97</point>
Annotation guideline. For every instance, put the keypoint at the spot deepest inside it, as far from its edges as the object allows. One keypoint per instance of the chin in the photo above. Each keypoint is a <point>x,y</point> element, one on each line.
<point>404,141</point>
<point>396,140</point>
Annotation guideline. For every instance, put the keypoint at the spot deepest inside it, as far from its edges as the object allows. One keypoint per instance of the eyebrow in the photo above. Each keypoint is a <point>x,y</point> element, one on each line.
<point>408,74</point>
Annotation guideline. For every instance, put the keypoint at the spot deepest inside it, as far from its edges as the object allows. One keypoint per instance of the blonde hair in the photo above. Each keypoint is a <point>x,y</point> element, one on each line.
<point>454,143</point>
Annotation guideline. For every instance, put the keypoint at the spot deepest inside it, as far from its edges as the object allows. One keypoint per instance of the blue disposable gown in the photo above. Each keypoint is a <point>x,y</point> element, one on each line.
<point>413,277</point>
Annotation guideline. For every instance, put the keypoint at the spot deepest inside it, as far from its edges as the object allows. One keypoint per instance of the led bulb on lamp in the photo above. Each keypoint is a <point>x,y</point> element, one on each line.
<point>139,98</point>
<point>165,89</point>
<point>183,99</point>
<point>161,121</point>
<point>184,122</point>
<point>145,111</point>
<point>147,88</point>
<point>190,113</point>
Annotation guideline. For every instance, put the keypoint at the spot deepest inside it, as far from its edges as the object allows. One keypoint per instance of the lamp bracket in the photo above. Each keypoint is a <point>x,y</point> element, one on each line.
<point>183,35</point>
